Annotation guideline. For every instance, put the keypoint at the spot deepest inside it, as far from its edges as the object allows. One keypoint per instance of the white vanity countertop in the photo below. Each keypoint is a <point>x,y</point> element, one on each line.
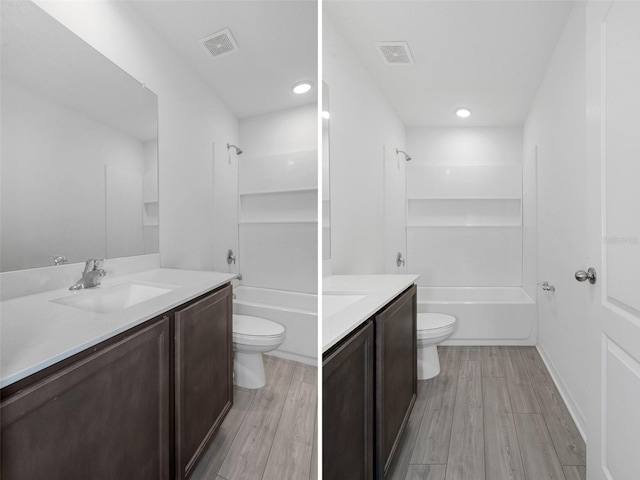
<point>349,300</point>
<point>36,333</point>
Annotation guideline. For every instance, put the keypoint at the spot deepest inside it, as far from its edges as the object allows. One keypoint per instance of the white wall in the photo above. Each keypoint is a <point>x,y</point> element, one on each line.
<point>556,127</point>
<point>464,192</point>
<point>286,131</point>
<point>363,125</point>
<point>279,229</point>
<point>63,201</point>
<point>194,128</point>
<point>465,145</point>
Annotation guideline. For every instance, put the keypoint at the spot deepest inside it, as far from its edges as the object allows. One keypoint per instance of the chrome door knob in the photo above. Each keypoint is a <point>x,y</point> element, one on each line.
<point>590,275</point>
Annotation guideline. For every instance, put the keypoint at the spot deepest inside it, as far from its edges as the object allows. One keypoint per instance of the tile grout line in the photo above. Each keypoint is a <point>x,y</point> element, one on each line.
<point>315,429</point>
<point>484,443</point>
<point>515,428</point>
<point>244,418</point>
<point>455,397</point>
<point>544,419</point>
<point>484,421</point>
<point>512,414</point>
<point>428,388</point>
<point>278,423</point>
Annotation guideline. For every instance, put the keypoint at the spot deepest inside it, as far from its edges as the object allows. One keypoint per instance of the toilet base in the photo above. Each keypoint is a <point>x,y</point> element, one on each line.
<point>248,370</point>
<point>428,362</point>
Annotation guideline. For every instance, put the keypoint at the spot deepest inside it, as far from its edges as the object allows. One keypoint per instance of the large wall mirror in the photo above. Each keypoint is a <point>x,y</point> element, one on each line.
<point>79,148</point>
<point>326,181</point>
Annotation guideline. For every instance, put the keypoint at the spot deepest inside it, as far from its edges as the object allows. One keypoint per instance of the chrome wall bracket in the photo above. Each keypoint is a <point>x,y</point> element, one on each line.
<point>546,287</point>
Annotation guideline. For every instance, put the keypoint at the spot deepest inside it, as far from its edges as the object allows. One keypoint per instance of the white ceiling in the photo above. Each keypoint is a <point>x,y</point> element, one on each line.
<point>489,56</point>
<point>277,43</point>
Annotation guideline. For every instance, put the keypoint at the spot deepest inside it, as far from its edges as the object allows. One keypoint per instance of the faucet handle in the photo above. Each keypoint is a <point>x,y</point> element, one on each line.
<point>93,264</point>
<point>97,263</point>
<point>58,259</point>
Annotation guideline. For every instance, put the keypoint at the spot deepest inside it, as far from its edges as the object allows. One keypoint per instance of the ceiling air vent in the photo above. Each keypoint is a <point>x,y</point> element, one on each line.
<point>395,53</point>
<point>219,43</point>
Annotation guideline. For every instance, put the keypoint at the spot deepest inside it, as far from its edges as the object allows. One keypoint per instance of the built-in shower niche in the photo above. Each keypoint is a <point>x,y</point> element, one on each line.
<point>464,224</point>
<point>464,212</point>
<point>278,221</point>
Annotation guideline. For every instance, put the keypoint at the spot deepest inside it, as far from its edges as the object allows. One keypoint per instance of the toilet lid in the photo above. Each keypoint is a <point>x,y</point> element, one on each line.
<point>250,325</point>
<point>431,321</point>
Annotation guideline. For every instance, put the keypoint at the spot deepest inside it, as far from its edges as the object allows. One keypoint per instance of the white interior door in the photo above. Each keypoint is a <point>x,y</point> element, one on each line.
<point>613,198</point>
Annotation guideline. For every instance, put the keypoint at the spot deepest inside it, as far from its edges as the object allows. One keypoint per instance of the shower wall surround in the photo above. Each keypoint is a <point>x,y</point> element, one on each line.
<point>278,200</point>
<point>464,206</point>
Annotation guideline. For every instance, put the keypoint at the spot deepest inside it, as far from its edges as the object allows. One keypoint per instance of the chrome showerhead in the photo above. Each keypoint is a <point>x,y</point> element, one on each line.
<point>238,149</point>
<point>407,157</point>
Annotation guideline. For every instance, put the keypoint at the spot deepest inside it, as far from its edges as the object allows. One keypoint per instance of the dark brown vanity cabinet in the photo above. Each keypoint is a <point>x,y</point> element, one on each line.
<point>101,418</point>
<point>375,367</point>
<point>143,405</point>
<point>396,374</point>
<point>204,375</point>
<point>347,408</point>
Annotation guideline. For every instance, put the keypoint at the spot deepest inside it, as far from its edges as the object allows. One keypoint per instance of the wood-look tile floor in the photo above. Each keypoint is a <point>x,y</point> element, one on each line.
<point>270,433</point>
<point>493,413</point>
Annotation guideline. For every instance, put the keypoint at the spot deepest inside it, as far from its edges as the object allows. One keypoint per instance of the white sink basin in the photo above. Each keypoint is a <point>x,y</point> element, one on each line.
<point>113,298</point>
<point>332,304</point>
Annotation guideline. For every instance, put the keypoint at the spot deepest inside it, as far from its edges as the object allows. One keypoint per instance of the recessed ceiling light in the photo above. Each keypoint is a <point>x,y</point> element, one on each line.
<point>302,87</point>
<point>325,114</point>
<point>463,112</point>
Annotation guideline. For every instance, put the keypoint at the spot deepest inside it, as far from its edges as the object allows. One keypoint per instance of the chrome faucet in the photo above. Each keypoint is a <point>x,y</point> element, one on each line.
<point>91,275</point>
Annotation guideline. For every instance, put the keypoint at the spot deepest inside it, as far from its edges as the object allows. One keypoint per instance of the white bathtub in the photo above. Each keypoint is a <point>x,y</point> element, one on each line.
<point>297,312</point>
<point>486,315</point>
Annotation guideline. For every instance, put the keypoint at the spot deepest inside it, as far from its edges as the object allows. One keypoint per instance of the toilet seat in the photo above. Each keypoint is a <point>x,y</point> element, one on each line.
<point>250,330</point>
<point>431,325</point>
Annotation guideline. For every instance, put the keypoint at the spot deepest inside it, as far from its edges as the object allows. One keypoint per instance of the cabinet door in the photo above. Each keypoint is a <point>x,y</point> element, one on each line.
<point>105,417</point>
<point>396,374</point>
<point>347,409</point>
<point>204,375</point>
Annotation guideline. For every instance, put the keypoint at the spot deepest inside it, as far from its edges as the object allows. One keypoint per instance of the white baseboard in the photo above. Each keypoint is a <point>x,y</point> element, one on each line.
<point>296,358</point>
<point>481,342</point>
<point>569,401</point>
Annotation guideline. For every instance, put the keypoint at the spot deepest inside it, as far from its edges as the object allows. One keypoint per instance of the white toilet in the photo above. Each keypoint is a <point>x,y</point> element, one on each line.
<point>433,328</point>
<point>253,336</point>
